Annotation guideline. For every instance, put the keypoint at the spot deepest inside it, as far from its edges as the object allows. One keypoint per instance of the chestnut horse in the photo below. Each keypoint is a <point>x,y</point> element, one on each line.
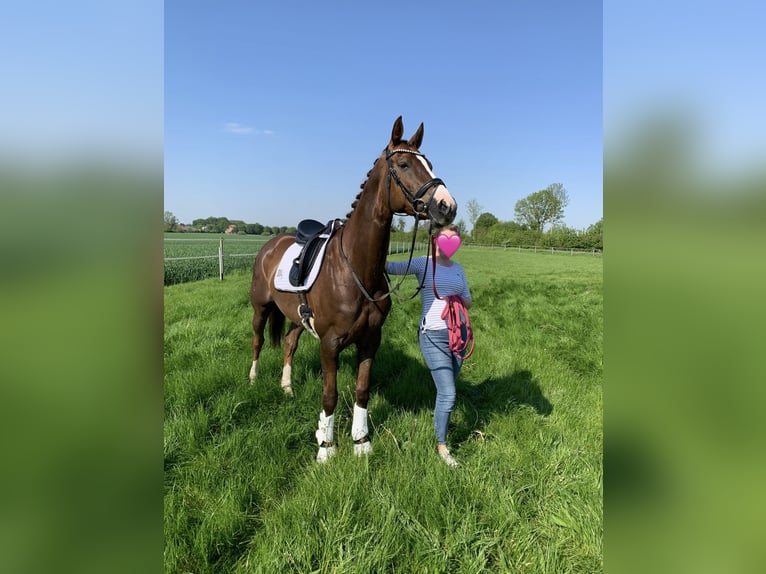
<point>349,298</point>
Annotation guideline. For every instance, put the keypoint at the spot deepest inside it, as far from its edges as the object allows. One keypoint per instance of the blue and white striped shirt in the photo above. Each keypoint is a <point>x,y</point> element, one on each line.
<point>449,281</point>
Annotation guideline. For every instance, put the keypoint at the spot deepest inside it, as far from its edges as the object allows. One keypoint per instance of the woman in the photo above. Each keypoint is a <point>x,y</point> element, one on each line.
<point>433,335</point>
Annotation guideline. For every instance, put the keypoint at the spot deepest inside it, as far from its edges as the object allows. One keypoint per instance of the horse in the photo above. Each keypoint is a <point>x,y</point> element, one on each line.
<point>349,298</point>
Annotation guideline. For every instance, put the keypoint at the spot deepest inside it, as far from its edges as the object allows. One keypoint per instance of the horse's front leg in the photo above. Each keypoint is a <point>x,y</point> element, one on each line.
<point>329,351</point>
<point>366,350</point>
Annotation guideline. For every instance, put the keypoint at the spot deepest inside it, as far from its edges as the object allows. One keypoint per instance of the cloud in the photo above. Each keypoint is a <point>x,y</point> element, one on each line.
<point>235,128</point>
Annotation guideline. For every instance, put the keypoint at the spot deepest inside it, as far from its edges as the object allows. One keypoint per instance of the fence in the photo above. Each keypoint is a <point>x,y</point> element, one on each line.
<point>538,248</point>
<point>201,257</point>
<point>196,265</point>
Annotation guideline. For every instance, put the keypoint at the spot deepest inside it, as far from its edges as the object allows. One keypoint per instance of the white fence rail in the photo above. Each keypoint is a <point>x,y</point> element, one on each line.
<point>538,248</point>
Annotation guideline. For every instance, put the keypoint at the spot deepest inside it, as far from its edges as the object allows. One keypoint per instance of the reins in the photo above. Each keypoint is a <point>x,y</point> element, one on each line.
<point>395,288</point>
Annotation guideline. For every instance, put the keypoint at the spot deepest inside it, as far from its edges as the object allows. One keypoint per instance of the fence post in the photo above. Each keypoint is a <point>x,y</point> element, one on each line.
<point>220,258</point>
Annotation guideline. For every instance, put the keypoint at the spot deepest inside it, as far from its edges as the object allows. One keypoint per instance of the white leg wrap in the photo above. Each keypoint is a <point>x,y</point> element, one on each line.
<point>324,435</point>
<point>325,453</point>
<point>286,383</point>
<point>253,371</point>
<point>359,431</point>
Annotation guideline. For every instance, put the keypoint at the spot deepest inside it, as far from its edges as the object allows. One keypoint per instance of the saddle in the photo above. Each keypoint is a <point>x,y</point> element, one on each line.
<point>312,235</point>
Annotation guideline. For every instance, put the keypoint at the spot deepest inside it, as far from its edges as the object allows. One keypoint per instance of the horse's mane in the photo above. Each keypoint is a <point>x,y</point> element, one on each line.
<point>358,195</point>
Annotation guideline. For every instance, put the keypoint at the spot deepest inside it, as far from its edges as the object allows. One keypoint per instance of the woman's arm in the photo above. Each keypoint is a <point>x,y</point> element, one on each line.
<point>400,267</point>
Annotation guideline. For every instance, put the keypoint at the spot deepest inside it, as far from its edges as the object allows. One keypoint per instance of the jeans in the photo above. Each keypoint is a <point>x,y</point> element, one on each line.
<point>445,367</point>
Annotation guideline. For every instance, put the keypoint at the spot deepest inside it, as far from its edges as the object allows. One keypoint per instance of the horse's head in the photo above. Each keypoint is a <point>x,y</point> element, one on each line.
<point>420,193</point>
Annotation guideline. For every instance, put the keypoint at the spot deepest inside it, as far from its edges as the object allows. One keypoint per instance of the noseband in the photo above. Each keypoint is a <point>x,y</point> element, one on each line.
<point>416,201</point>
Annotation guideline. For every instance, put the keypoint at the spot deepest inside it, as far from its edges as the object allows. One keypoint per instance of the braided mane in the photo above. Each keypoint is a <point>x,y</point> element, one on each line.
<point>358,195</point>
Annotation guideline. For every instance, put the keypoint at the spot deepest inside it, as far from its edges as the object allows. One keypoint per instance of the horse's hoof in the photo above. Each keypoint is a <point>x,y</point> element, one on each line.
<point>288,390</point>
<point>363,449</point>
<point>325,453</point>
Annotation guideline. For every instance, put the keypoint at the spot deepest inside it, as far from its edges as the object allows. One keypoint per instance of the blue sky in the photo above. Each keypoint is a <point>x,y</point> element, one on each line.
<point>275,111</point>
<point>702,61</point>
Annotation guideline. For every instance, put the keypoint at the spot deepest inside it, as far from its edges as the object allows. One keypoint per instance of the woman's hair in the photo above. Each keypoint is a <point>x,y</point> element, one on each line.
<point>450,227</point>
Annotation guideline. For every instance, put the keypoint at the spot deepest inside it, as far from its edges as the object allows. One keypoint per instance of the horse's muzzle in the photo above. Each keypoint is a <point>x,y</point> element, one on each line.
<point>443,212</point>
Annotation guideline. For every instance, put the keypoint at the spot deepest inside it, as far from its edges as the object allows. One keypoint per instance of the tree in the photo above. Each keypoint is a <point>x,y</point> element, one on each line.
<point>594,235</point>
<point>483,223</point>
<point>170,221</point>
<point>474,211</point>
<point>542,207</point>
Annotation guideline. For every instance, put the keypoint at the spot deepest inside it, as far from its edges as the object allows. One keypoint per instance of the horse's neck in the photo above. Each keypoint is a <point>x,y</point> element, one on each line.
<point>367,234</point>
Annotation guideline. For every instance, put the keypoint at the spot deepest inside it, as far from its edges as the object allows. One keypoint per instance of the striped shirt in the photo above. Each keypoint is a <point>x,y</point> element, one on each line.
<point>449,281</point>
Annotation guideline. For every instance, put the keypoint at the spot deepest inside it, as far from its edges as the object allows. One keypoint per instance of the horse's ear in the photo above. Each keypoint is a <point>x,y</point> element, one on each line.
<point>417,139</point>
<point>397,132</point>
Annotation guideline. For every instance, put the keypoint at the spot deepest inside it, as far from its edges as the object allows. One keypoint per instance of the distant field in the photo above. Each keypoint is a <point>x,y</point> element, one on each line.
<point>244,494</point>
<point>197,254</point>
<point>194,256</point>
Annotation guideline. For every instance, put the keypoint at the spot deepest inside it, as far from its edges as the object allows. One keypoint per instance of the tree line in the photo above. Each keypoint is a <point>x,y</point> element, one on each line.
<point>221,225</point>
<point>538,221</point>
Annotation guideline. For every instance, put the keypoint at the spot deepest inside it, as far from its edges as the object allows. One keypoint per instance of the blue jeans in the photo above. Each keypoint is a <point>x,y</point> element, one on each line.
<point>445,367</point>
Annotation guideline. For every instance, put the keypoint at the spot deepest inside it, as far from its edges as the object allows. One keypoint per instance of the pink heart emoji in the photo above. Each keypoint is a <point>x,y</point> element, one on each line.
<point>448,244</point>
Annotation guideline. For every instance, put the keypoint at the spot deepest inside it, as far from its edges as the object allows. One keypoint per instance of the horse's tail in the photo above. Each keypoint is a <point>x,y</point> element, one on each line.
<point>276,326</point>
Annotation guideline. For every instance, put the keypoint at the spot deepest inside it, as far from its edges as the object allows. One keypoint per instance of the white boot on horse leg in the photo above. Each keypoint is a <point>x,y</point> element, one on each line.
<point>286,383</point>
<point>359,432</point>
<point>253,372</point>
<point>325,437</point>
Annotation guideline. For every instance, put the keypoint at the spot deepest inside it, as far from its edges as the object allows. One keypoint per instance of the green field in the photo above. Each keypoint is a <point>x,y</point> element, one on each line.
<point>244,494</point>
<point>194,256</point>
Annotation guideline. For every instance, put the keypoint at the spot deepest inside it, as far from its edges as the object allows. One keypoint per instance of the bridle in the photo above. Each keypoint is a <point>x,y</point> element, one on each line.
<point>416,202</point>
<point>418,206</point>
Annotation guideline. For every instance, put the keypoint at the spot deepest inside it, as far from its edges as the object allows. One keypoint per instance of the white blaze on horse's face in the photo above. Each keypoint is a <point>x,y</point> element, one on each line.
<point>441,195</point>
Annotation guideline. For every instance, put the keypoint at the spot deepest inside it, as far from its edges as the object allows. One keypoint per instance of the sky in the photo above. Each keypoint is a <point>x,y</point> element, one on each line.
<point>700,62</point>
<point>275,111</point>
<point>81,79</point>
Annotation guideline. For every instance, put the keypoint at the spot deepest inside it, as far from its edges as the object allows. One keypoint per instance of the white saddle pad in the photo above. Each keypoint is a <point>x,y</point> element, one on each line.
<point>282,276</point>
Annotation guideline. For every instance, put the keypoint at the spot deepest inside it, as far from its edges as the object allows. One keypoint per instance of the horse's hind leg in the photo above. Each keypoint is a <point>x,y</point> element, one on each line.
<point>294,332</point>
<point>260,315</point>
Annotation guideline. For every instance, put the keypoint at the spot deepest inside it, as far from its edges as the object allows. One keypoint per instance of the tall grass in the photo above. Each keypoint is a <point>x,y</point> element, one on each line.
<point>242,490</point>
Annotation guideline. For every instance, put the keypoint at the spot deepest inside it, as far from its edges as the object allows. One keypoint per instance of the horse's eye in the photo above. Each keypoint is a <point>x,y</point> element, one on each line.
<point>403,165</point>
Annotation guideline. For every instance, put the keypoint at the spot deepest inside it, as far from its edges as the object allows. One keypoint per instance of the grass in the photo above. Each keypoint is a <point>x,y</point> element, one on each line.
<point>242,490</point>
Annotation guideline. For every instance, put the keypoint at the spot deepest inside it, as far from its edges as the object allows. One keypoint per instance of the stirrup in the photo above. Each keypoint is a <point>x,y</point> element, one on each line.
<point>307,319</point>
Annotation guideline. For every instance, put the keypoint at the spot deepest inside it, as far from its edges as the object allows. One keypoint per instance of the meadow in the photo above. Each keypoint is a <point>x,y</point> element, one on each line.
<point>243,492</point>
